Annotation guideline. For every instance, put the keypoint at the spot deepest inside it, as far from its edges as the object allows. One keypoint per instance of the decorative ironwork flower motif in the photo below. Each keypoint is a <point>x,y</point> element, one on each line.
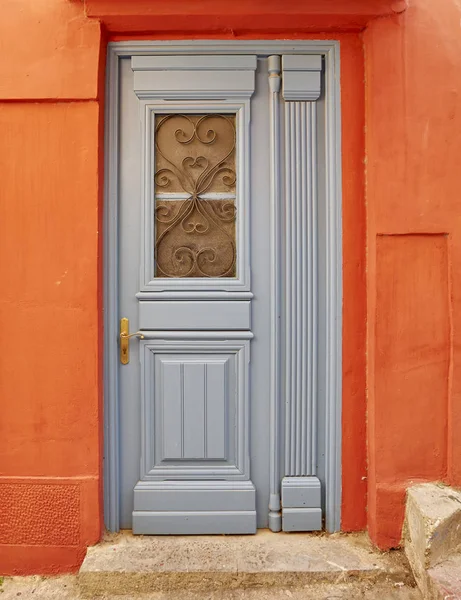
<point>195,155</point>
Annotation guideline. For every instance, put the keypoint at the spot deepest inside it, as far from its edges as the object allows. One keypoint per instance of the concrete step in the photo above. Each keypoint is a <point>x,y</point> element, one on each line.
<point>445,579</point>
<point>127,564</point>
<point>432,537</point>
<point>66,588</point>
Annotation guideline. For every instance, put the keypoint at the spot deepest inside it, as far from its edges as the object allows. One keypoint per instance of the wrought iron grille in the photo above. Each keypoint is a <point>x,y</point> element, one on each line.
<point>195,183</point>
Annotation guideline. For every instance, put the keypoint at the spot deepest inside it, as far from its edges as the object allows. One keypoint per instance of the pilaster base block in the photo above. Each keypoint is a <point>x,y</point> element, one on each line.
<point>301,504</point>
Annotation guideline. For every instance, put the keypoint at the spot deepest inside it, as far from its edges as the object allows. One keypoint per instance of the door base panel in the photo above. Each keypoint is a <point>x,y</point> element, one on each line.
<point>194,523</point>
<point>194,496</point>
<point>194,507</point>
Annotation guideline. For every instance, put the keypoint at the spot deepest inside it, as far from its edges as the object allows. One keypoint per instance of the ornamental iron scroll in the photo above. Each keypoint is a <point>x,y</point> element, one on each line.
<point>195,183</point>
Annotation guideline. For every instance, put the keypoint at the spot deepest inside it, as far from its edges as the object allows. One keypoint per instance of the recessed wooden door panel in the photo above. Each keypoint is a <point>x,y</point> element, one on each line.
<point>194,314</point>
<point>195,409</point>
<point>192,404</point>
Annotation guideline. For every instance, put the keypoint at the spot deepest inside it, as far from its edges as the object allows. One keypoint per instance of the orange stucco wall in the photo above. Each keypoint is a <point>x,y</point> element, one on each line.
<point>50,376</point>
<point>413,87</point>
<point>400,313</point>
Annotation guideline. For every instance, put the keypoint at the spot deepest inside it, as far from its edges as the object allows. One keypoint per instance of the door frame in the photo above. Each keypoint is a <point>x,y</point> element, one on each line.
<point>332,381</point>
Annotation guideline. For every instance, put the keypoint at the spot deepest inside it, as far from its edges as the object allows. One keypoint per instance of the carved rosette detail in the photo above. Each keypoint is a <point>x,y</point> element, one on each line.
<point>195,236</point>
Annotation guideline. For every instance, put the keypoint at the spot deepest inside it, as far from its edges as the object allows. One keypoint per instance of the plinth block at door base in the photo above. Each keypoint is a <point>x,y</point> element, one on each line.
<point>194,507</point>
<point>301,504</point>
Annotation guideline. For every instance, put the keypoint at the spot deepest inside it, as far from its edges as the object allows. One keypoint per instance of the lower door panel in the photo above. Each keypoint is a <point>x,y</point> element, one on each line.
<point>195,441</point>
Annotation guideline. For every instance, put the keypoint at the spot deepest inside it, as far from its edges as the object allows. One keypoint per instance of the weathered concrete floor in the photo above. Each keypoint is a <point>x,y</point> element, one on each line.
<point>66,588</point>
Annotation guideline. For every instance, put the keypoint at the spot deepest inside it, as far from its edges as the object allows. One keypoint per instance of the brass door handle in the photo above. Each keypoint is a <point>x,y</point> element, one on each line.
<point>125,340</point>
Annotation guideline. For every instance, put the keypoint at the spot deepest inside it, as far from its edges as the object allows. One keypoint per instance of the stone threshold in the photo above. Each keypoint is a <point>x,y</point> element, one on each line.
<point>125,564</point>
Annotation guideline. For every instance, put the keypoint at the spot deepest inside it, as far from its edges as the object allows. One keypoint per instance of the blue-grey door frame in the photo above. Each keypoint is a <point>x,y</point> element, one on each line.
<point>332,376</point>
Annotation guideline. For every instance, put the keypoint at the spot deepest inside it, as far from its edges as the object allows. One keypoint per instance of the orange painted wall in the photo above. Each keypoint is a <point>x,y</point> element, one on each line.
<point>413,87</point>
<point>50,376</point>
<point>51,81</point>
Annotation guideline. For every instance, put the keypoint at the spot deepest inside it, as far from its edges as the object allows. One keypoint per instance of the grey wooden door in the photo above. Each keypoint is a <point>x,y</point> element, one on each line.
<point>195,264</point>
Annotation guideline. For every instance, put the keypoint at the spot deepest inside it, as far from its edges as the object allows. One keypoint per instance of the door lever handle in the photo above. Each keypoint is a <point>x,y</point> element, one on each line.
<point>125,340</point>
<point>127,336</point>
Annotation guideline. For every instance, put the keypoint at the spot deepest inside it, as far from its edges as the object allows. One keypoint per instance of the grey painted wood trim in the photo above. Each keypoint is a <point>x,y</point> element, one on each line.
<point>192,62</point>
<point>185,85</point>
<point>302,519</point>
<point>194,77</point>
<point>330,51</point>
<point>301,492</point>
<point>301,289</point>
<point>333,376</point>
<point>275,516</point>
<point>258,47</point>
<point>194,523</point>
<point>192,295</point>
<point>301,77</point>
<point>110,303</point>
<point>197,335</point>
<point>195,314</point>
<point>301,504</point>
<point>194,496</point>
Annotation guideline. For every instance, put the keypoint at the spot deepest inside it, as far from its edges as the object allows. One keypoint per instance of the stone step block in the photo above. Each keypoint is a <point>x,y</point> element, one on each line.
<point>128,564</point>
<point>445,579</point>
<point>432,529</point>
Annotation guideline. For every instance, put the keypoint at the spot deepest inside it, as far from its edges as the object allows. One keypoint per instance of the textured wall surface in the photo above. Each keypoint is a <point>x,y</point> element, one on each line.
<point>39,514</point>
<point>413,88</point>
<point>411,371</point>
<point>56,54</point>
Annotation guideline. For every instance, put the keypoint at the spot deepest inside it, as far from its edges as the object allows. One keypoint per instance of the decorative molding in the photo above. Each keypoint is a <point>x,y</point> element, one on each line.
<point>301,492</point>
<point>211,47</point>
<point>275,516</point>
<point>301,289</point>
<point>332,383</point>
<point>192,295</point>
<point>194,77</point>
<point>193,496</point>
<point>301,77</point>
<point>224,336</point>
<point>192,62</point>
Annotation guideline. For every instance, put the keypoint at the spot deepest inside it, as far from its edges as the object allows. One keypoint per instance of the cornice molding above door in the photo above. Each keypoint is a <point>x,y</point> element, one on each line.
<point>230,18</point>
